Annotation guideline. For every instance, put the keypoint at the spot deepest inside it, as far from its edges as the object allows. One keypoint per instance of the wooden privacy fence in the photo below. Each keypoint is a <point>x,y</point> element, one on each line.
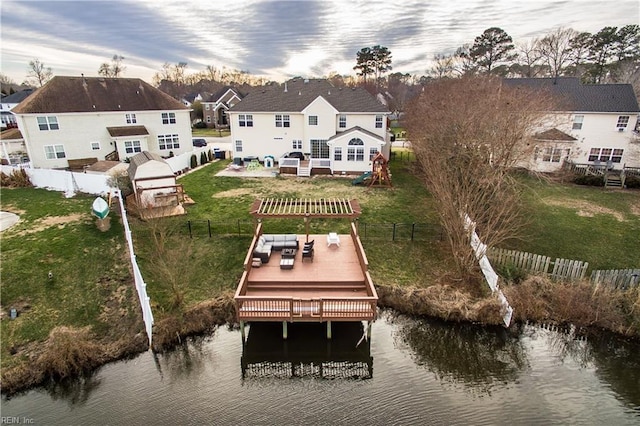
<point>620,279</point>
<point>562,270</point>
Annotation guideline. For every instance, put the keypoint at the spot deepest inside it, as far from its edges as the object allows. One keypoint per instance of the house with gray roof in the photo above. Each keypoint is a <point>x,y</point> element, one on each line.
<point>78,118</point>
<point>337,129</point>
<point>216,107</point>
<point>594,124</point>
<point>7,118</point>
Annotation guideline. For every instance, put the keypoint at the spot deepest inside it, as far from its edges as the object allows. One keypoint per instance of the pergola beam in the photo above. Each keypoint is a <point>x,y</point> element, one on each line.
<point>306,207</point>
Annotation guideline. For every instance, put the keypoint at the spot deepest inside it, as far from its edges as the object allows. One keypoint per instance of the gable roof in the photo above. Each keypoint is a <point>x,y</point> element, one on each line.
<point>554,135</point>
<point>356,129</point>
<point>93,94</point>
<point>580,97</point>
<point>296,94</point>
<point>141,158</point>
<point>16,98</point>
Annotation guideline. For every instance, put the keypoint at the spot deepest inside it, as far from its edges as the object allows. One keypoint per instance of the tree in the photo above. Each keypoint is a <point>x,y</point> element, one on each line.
<point>490,48</point>
<point>602,50</point>
<point>443,66</point>
<point>381,61</point>
<point>579,53</point>
<point>467,134</point>
<point>364,63</point>
<point>113,69</point>
<point>5,83</point>
<point>38,74</point>
<point>556,50</point>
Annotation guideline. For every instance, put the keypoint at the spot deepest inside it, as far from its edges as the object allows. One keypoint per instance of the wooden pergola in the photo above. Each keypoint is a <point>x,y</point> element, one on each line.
<point>306,208</point>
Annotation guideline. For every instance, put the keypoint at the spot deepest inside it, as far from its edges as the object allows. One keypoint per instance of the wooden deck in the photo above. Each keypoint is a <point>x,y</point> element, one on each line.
<point>335,286</point>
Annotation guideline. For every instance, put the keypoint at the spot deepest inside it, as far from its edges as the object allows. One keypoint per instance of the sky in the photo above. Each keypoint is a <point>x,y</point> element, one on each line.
<point>273,39</point>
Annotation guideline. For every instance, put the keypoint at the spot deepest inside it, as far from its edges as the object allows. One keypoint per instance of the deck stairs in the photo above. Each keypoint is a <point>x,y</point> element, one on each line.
<point>613,180</point>
<point>304,171</point>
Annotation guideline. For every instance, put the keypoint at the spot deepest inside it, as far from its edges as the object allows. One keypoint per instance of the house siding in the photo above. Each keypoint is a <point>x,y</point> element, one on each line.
<point>78,130</point>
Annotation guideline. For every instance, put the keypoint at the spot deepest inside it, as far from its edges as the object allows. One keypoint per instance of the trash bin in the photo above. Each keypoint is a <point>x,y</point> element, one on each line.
<point>237,161</point>
<point>221,155</point>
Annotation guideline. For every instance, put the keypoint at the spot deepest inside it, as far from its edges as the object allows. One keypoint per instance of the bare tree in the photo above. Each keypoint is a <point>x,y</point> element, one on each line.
<point>38,74</point>
<point>556,50</point>
<point>529,57</point>
<point>113,69</point>
<point>467,134</point>
<point>443,66</point>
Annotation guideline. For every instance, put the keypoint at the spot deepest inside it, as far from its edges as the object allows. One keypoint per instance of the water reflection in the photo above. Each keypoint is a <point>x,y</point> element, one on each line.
<point>477,357</point>
<point>75,391</point>
<point>306,352</point>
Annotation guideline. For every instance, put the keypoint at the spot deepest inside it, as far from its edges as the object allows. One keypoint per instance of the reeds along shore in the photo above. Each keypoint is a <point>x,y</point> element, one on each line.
<point>71,352</point>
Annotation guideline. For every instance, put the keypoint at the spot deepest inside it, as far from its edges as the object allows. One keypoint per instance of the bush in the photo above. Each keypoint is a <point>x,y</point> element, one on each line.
<point>194,161</point>
<point>210,155</point>
<point>589,180</point>
<point>200,125</point>
<point>512,274</point>
<point>203,158</point>
<point>632,182</point>
<point>17,179</point>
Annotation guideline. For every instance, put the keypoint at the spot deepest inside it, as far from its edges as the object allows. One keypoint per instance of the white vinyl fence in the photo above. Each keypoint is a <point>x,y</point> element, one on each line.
<point>560,269</point>
<point>619,279</point>
<point>480,250</point>
<point>183,161</point>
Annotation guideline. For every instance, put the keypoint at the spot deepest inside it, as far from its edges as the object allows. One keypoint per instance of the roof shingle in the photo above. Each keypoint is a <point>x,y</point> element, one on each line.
<point>92,94</point>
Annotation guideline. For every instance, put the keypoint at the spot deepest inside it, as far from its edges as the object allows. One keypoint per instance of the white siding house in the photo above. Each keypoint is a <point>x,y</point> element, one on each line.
<point>324,122</point>
<point>103,118</point>
<point>598,125</point>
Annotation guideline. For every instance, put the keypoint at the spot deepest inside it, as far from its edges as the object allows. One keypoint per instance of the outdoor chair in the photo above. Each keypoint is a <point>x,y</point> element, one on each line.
<point>307,253</point>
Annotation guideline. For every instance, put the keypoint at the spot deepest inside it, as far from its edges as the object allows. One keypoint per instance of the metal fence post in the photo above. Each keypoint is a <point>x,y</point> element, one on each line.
<point>239,234</point>
<point>209,226</point>
<point>189,225</point>
<point>393,237</point>
<point>413,230</point>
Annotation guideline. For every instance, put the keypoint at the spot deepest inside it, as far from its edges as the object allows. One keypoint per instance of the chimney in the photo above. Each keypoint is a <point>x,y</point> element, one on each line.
<point>84,81</point>
<point>285,87</point>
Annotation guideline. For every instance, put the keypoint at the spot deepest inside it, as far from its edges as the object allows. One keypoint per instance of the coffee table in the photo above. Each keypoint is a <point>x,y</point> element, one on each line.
<point>288,253</point>
<point>286,263</point>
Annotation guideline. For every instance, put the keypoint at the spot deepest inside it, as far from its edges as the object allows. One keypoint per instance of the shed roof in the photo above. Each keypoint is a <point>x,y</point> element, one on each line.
<point>140,159</point>
<point>120,131</point>
<point>555,135</point>
<point>11,134</point>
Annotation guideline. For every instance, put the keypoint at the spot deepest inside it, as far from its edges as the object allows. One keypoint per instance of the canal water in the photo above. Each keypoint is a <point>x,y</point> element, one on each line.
<point>411,371</point>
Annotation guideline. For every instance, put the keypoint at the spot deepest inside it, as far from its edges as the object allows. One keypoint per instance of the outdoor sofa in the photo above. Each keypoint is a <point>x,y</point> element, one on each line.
<point>270,242</point>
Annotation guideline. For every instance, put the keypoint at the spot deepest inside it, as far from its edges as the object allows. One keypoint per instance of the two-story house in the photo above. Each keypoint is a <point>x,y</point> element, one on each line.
<point>72,118</point>
<point>594,124</point>
<point>215,108</point>
<point>338,129</point>
<point>8,103</point>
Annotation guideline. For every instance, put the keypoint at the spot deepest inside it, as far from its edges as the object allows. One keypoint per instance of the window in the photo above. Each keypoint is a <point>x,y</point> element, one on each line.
<point>359,154</point>
<point>337,153</point>
<point>577,122</point>
<point>238,146</point>
<point>372,153</point>
<point>48,123</point>
<point>378,122</point>
<point>53,152</point>
<point>356,141</point>
<point>245,120</point>
<point>130,118</point>
<point>342,122</point>
<point>168,141</point>
<point>623,121</point>
<point>552,155</point>
<point>208,119</point>
<point>605,155</point>
<point>168,118</point>
<point>351,154</point>
<point>282,120</point>
<point>132,146</point>
<point>319,148</point>
<point>313,120</point>
<point>95,146</point>
<point>297,144</point>
<point>207,106</point>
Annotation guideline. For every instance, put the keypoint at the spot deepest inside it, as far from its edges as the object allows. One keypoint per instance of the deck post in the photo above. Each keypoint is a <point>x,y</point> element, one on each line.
<point>369,330</point>
<point>242,333</point>
<point>329,330</point>
<point>284,330</point>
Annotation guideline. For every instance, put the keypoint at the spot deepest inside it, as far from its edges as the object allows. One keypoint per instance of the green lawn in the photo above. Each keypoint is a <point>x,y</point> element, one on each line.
<point>89,267</point>
<point>92,285</point>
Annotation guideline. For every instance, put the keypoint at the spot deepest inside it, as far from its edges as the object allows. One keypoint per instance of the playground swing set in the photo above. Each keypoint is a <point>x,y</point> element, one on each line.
<point>378,176</point>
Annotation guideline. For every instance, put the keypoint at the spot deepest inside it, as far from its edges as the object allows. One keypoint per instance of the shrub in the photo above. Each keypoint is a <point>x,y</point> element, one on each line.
<point>194,161</point>
<point>17,179</point>
<point>511,273</point>
<point>632,182</point>
<point>203,158</point>
<point>210,155</point>
<point>200,125</point>
<point>589,180</point>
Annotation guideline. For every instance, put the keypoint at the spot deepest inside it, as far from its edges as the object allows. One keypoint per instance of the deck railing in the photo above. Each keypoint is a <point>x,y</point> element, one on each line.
<point>264,308</point>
